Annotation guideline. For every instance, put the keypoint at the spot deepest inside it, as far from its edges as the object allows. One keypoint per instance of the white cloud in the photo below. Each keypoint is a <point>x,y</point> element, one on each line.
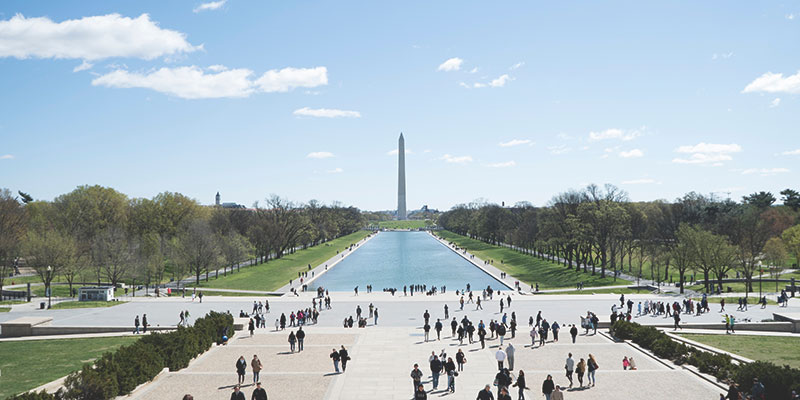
<point>452,64</point>
<point>394,152</point>
<point>722,56</point>
<point>500,81</point>
<point>791,153</point>
<point>517,65</point>
<point>635,153</point>
<point>210,6</point>
<point>643,181</point>
<point>193,83</point>
<point>474,70</point>
<point>7,157</point>
<point>217,68</point>
<point>560,149</point>
<point>791,16</point>
<point>765,171</point>
<point>89,38</point>
<point>320,154</point>
<point>515,142</point>
<point>614,133</point>
<point>707,153</point>
<point>456,159</point>
<point>502,164</point>
<point>335,171</point>
<point>478,85</point>
<point>289,78</point>
<point>326,113</point>
<point>83,67</point>
<point>774,103</point>
<point>774,83</point>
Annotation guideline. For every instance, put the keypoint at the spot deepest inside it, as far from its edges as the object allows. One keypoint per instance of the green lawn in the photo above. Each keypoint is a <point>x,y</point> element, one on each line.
<point>739,287</point>
<point>11,302</point>
<point>31,363</point>
<point>64,305</point>
<point>276,273</point>
<point>602,291</point>
<point>781,350</point>
<point>5,309</point>
<point>409,224</point>
<point>56,290</point>
<point>529,269</point>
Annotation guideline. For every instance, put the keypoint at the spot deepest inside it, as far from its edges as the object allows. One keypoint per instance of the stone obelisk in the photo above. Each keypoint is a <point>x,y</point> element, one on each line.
<point>401,178</point>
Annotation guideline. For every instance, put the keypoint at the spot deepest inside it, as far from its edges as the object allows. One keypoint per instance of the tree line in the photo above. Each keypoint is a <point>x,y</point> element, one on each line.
<point>600,228</point>
<point>100,233</point>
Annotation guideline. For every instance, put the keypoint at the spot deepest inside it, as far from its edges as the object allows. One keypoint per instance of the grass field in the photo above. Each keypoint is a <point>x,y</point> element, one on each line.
<point>739,287</point>
<point>5,309</point>
<point>65,305</point>
<point>589,291</point>
<point>56,290</point>
<point>529,269</point>
<point>409,224</point>
<point>781,350</point>
<point>276,273</point>
<point>31,363</point>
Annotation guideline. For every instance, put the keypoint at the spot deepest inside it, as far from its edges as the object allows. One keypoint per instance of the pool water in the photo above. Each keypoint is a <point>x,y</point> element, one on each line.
<point>395,259</point>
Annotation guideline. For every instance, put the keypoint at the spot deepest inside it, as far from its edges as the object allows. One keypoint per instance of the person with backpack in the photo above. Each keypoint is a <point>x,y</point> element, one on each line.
<point>592,367</point>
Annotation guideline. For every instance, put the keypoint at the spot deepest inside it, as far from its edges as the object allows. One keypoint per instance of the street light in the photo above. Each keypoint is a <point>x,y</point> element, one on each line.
<point>761,273</point>
<point>49,269</point>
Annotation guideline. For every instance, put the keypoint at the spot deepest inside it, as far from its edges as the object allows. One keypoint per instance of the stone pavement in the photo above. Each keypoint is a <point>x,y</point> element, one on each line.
<point>382,359</point>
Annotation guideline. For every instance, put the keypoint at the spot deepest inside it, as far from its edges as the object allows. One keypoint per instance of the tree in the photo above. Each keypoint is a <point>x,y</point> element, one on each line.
<point>791,239</point>
<point>683,253</point>
<point>750,233</point>
<point>761,200</point>
<point>113,253</point>
<point>234,249</point>
<point>775,255</point>
<point>13,225</point>
<point>49,253</point>
<point>198,248</point>
<point>791,199</point>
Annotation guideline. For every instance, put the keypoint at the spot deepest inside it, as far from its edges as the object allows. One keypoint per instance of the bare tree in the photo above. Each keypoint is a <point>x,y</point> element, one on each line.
<point>13,224</point>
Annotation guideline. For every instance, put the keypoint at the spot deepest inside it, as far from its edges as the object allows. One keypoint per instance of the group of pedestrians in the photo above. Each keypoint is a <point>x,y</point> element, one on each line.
<point>259,393</point>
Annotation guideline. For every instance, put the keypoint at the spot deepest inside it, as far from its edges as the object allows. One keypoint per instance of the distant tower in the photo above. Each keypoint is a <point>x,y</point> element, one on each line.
<point>217,202</point>
<point>401,178</point>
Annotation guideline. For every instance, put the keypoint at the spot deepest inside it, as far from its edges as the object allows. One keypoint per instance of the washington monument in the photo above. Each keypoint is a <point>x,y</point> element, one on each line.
<point>401,178</point>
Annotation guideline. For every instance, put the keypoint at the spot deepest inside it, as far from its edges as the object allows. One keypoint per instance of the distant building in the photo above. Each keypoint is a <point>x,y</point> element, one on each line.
<point>218,198</point>
<point>96,293</point>
<point>226,205</point>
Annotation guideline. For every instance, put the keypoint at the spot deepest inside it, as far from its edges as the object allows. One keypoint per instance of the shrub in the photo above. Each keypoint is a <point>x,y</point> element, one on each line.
<point>778,381</point>
<point>38,396</point>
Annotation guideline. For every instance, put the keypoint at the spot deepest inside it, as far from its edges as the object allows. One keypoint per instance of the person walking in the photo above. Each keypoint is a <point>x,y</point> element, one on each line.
<point>533,337</point>
<point>503,395</point>
<point>256,365</point>
<point>416,377</point>
<point>510,355</point>
<point>292,341</point>
<point>520,383</point>
<point>259,393</point>
<point>438,327</point>
<point>573,332</point>
<point>420,394</point>
<point>144,323</point>
<point>335,357</point>
<point>237,392</point>
<point>136,325</point>
<point>548,386</point>
<point>579,370</point>
<point>436,369</point>
<point>375,317</point>
<point>301,335</point>
<point>555,328</point>
<point>446,312</point>
<point>592,367</point>
<point>677,317</point>
<point>500,356</point>
<point>241,366</point>
<point>558,394</point>
<point>345,357</point>
<point>426,316</point>
<point>569,365</point>
<point>450,370</point>
<point>461,359</point>
<point>501,331</point>
<point>251,326</point>
<point>485,394</point>
<point>427,329</point>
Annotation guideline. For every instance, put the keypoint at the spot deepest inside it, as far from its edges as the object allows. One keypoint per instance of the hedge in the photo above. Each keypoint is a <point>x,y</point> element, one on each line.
<point>778,381</point>
<point>118,373</point>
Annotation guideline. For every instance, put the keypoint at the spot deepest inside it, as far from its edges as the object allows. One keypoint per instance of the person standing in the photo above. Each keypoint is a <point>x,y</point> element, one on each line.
<point>573,332</point>
<point>485,394</point>
<point>592,367</point>
<point>533,337</point>
<point>241,366</point>
<point>427,317</point>
<point>503,395</point>
<point>548,386</point>
<point>461,359</point>
<point>300,336</point>
<point>136,325</point>
<point>500,356</point>
<point>557,394</point>
<point>344,358</point>
<point>450,370</point>
<point>237,393</point>
<point>436,369</point>
<point>438,328</point>
<point>510,355</point>
<point>259,393</point>
<point>677,317</point>
<point>335,357</point>
<point>569,365</point>
<point>446,312</point>
<point>420,394</point>
<point>144,323</point>
<point>251,326</point>
<point>427,329</point>
<point>416,377</point>
<point>292,341</point>
<point>256,365</point>
<point>520,383</point>
<point>375,317</point>
<point>555,328</point>
<point>501,331</point>
<point>579,370</point>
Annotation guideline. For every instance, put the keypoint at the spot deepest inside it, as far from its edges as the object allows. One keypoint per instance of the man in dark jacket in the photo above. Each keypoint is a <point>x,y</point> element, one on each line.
<point>259,393</point>
<point>237,394</point>
<point>503,379</point>
<point>416,377</point>
<point>345,358</point>
<point>300,336</point>
<point>436,369</point>
<point>548,386</point>
<point>574,332</point>
<point>438,327</point>
<point>485,394</point>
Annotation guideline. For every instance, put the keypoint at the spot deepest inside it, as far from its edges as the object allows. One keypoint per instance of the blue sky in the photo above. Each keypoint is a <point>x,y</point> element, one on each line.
<point>506,101</point>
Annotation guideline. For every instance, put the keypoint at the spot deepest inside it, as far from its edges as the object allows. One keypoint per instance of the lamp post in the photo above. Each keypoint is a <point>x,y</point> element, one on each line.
<point>761,273</point>
<point>49,270</point>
